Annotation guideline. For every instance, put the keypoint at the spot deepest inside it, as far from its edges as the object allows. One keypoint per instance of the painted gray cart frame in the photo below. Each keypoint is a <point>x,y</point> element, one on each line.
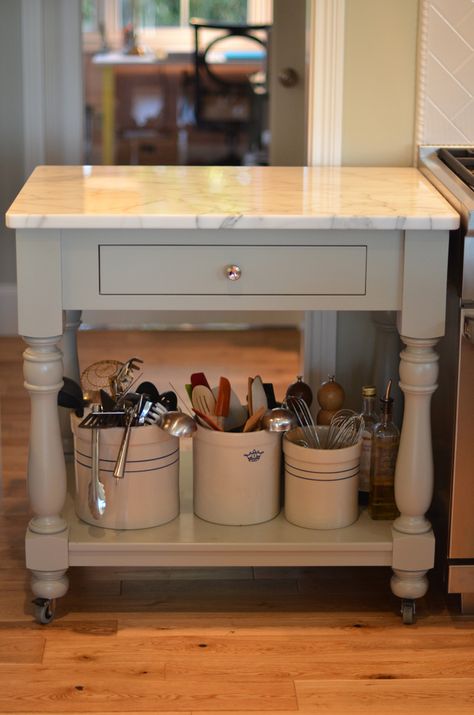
<point>73,260</point>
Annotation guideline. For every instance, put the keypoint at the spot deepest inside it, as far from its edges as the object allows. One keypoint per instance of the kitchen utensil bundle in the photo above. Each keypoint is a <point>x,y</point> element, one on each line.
<point>210,407</point>
<point>111,382</point>
<point>345,428</point>
<point>147,496</point>
<point>220,409</point>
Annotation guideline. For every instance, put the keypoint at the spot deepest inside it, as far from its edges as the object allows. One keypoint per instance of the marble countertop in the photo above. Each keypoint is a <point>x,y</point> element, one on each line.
<point>216,197</point>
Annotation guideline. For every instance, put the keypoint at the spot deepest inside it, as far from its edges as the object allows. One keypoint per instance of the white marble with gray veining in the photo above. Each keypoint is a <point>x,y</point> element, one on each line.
<point>224,197</point>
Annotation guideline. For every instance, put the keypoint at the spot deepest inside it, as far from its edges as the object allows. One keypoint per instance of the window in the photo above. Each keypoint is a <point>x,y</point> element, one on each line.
<point>231,11</point>
<point>89,16</point>
<point>162,13</point>
<point>150,13</point>
<point>162,24</point>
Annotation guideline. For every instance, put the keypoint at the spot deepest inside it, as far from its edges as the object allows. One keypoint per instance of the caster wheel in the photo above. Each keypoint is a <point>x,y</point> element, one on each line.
<point>44,610</point>
<point>408,611</point>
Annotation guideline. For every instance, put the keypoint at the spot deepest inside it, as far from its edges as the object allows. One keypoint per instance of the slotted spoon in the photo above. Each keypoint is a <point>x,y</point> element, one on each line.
<point>203,400</point>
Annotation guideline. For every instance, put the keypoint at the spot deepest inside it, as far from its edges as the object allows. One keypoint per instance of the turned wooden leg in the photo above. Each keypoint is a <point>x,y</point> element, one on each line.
<point>414,473</point>
<point>68,346</point>
<point>46,543</point>
<point>49,584</point>
<point>43,371</point>
<point>413,553</point>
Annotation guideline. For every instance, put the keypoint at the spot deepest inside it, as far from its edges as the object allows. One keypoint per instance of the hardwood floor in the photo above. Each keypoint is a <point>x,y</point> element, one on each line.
<point>326,640</point>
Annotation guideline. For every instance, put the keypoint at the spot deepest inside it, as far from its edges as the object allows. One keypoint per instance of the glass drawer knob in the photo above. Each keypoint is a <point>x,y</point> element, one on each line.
<point>233,273</point>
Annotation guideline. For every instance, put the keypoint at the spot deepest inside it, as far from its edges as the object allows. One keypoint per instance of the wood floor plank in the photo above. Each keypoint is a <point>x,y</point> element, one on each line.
<point>21,647</point>
<point>310,623</point>
<point>331,645</point>
<point>248,658</point>
<point>443,696</point>
<point>86,688</point>
<point>330,668</point>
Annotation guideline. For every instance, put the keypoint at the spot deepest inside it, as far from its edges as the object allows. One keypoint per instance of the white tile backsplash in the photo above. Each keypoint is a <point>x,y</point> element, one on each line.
<point>445,91</point>
<point>465,75</point>
<point>465,27</point>
<point>464,121</point>
<point>439,126</point>
<point>446,44</point>
<point>449,81</point>
<point>453,10</point>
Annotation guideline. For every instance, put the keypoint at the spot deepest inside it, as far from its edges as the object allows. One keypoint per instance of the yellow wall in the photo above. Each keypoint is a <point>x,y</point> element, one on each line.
<point>379,82</point>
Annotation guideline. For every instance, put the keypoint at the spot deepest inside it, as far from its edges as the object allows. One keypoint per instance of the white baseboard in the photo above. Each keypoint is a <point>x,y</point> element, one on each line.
<point>8,309</point>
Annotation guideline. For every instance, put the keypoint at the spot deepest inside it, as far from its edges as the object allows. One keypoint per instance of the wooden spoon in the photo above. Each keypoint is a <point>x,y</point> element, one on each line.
<point>207,420</point>
<point>253,422</point>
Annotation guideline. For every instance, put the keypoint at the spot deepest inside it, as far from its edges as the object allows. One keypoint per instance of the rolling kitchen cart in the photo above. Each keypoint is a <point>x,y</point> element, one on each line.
<point>249,238</point>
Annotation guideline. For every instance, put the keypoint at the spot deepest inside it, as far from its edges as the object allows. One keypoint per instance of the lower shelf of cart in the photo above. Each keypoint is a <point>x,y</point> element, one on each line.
<point>190,541</point>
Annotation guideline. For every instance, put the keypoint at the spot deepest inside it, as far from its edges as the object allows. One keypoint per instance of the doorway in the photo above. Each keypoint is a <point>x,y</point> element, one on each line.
<point>162,88</point>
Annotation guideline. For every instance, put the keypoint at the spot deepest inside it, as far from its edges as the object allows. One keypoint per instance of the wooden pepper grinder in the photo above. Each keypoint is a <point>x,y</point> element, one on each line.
<point>300,389</point>
<point>331,399</point>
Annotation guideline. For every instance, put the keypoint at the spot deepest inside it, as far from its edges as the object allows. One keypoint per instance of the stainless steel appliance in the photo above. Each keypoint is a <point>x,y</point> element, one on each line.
<point>451,170</point>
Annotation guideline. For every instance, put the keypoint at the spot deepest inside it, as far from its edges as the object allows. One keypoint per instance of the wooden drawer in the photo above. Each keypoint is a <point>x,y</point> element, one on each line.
<point>201,270</point>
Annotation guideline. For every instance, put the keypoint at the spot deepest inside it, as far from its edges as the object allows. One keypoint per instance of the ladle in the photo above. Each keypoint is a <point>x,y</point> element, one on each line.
<point>177,424</point>
<point>96,491</point>
<point>279,419</point>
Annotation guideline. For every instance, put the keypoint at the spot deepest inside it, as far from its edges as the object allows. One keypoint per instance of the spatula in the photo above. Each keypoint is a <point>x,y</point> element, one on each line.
<point>199,378</point>
<point>237,414</point>
<point>223,401</point>
<point>259,397</point>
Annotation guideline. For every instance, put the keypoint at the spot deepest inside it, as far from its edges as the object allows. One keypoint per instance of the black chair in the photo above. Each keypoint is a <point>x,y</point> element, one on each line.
<point>232,103</point>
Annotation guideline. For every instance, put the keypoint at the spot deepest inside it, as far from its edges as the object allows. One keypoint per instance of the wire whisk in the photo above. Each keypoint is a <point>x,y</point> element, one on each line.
<point>305,419</point>
<point>345,429</point>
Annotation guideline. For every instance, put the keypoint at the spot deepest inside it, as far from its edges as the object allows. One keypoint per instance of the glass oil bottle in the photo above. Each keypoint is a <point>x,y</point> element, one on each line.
<point>386,439</point>
<point>371,418</point>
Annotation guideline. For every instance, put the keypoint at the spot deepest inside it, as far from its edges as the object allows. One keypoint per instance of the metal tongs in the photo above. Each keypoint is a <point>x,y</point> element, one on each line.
<point>136,410</point>
<point>124,379</point>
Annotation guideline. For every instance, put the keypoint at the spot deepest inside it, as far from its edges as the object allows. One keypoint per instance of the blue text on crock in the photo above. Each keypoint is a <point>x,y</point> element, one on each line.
<point>254,455</point>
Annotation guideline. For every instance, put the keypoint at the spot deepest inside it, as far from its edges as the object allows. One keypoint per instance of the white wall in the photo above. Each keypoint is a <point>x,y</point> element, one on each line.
<point>11,149</point>
<point>378,128</point>
<point>380,59</point>
<point>41,113</point>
